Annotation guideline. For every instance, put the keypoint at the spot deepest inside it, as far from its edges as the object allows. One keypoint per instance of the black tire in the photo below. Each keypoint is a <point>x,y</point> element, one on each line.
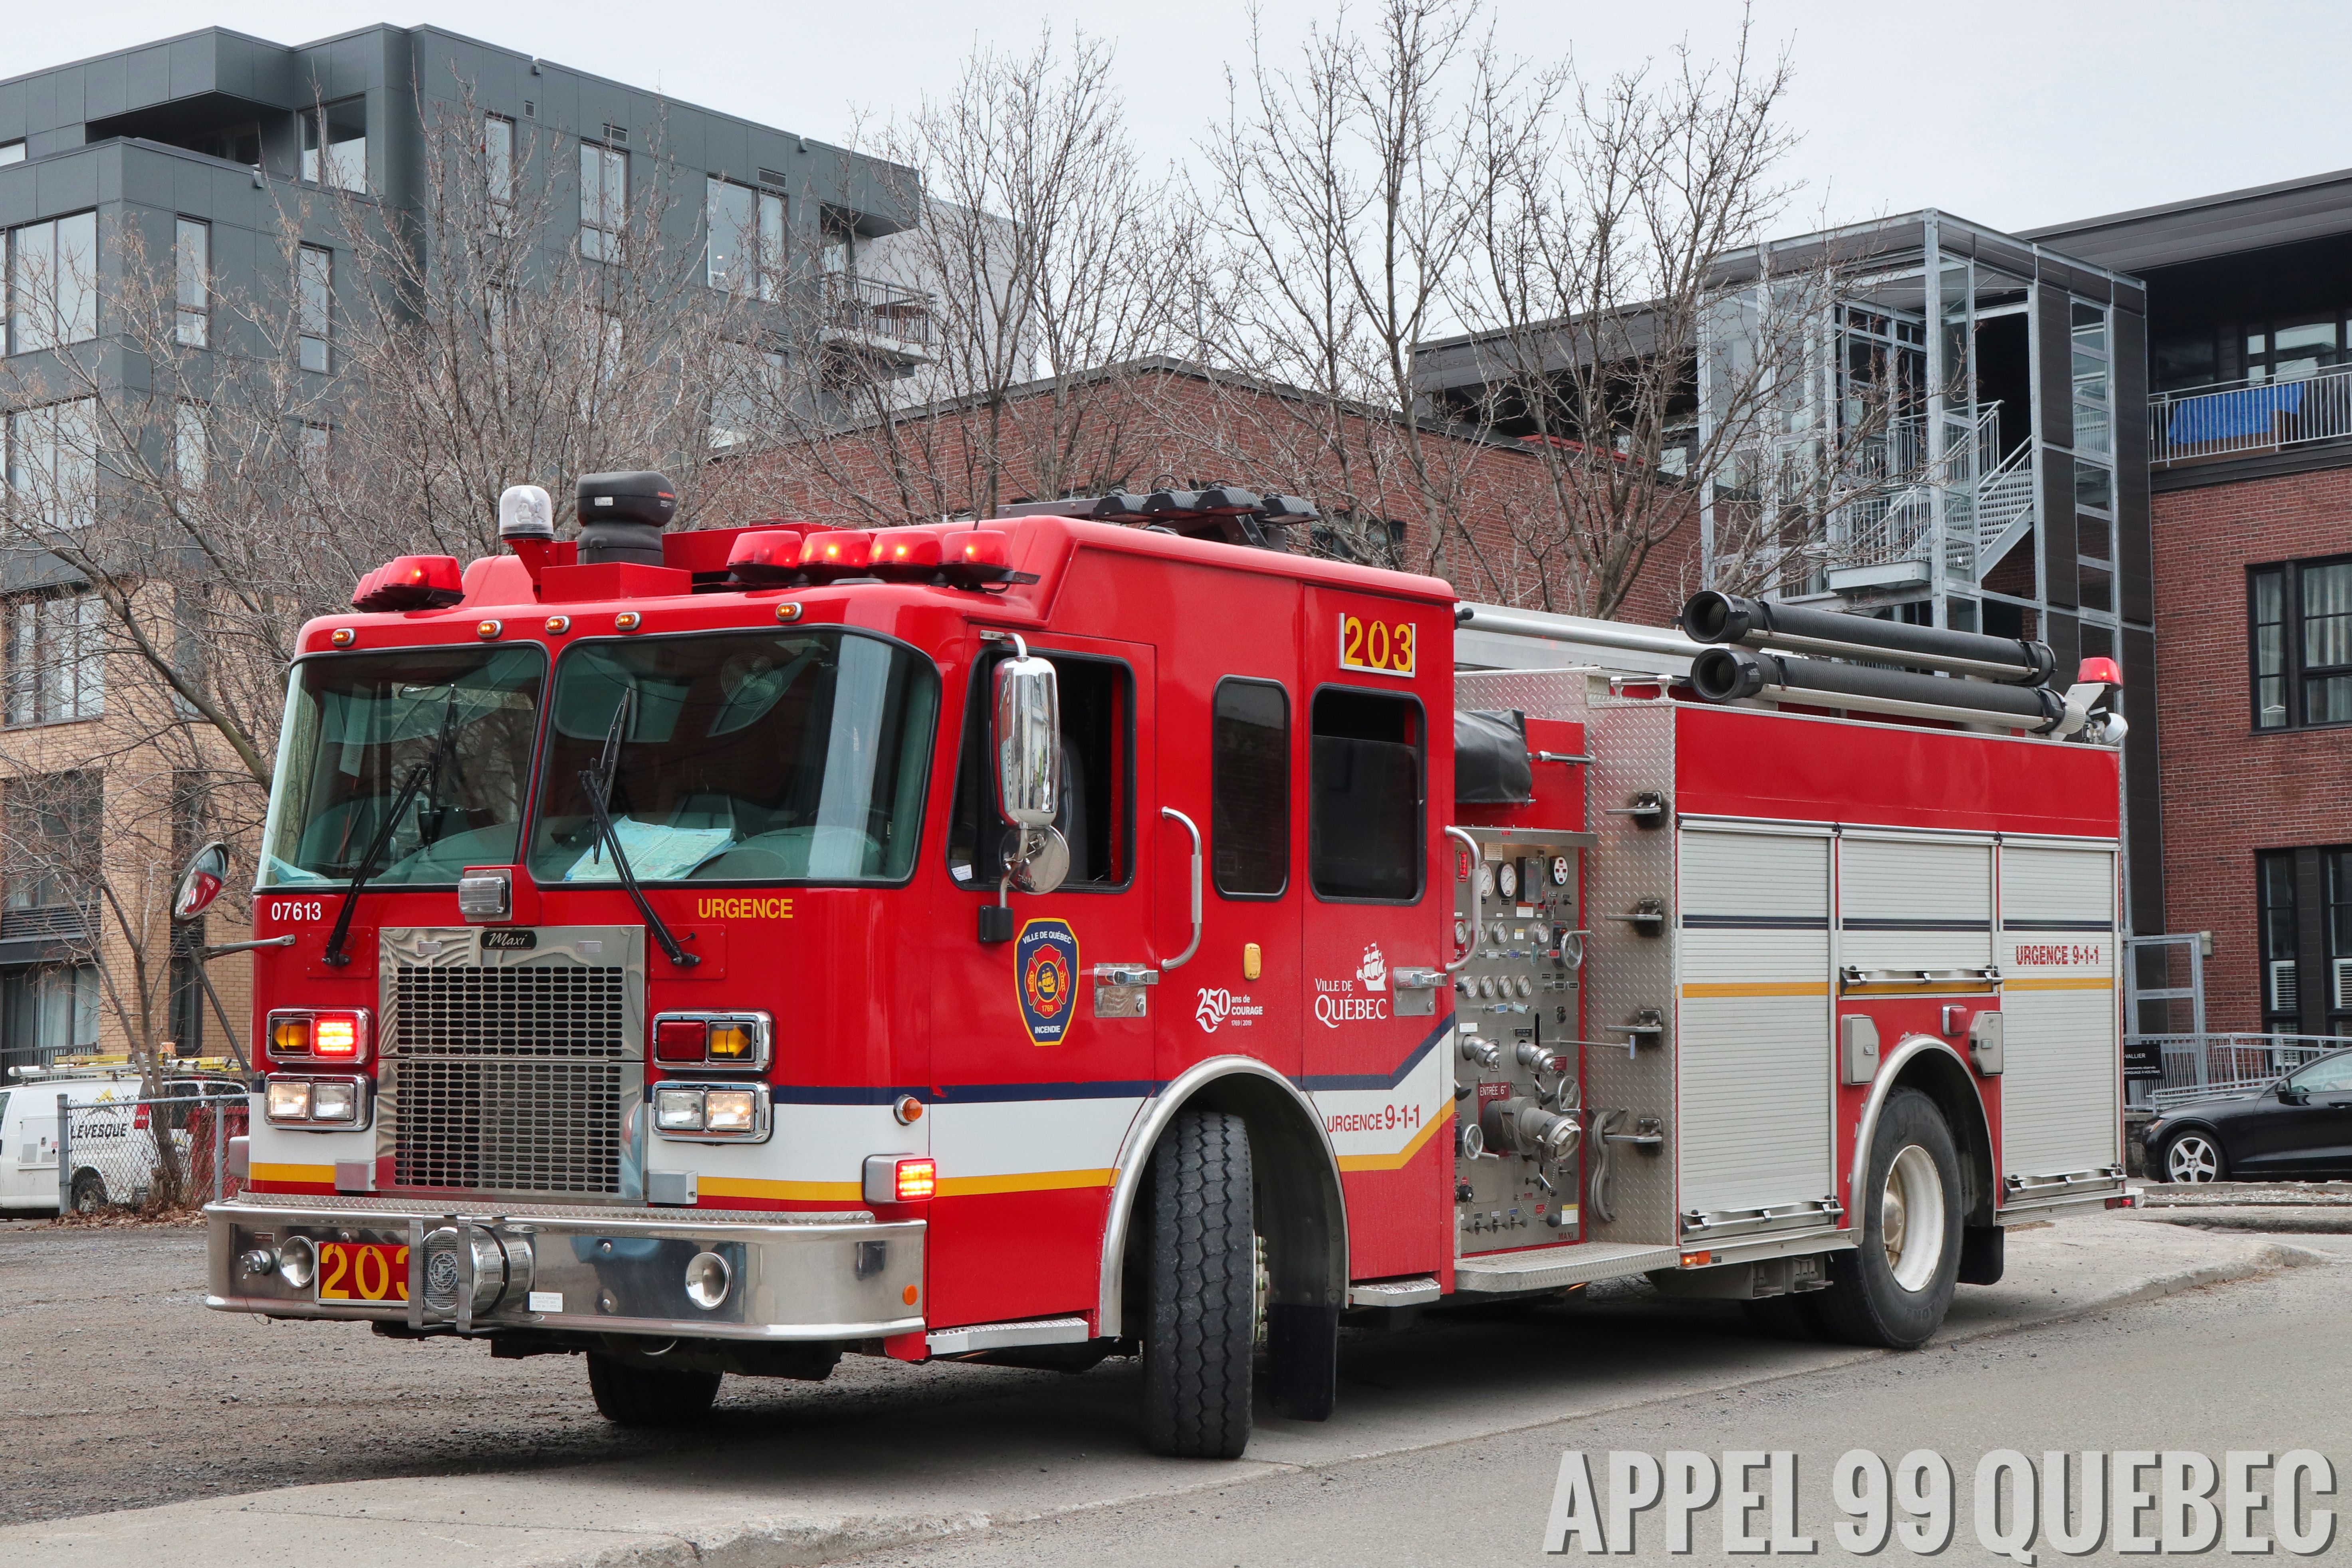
<point>1200,1329</point>
<point>2184,1143</point>
<point>631,1396</point>
<point>1867,1303</point>
<point>88,1192</point>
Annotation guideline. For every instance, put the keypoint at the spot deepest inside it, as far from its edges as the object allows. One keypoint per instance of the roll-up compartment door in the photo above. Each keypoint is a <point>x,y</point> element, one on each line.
<point>2057,951</point>
<point>1754,1087</point>
<point>1914,904</point>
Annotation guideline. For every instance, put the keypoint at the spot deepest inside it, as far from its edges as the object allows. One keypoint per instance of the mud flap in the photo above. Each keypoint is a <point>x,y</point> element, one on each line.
<point>1981,1254</point>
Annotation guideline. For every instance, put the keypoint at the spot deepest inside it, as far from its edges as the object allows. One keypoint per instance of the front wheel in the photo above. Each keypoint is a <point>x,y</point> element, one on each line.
<point>2193,1157</point>
<point>1893,1289</point>
<point>1202,1330</point>
<point>632,1395</point>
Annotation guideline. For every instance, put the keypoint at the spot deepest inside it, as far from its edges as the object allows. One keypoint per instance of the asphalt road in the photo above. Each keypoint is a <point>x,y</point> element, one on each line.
<point>2252,1365</point>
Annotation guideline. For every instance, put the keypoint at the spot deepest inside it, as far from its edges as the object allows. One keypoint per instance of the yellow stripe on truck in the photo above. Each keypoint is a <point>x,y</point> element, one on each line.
<point>261,1172</point>
<point>1398,1160</point>
<point>2062,982</point>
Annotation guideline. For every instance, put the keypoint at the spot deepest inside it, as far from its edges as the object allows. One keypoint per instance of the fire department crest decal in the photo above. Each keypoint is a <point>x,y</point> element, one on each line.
<point>1045,958</point>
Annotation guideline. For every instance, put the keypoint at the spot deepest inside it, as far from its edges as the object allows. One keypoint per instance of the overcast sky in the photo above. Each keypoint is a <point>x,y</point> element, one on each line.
<point>2010,113</point>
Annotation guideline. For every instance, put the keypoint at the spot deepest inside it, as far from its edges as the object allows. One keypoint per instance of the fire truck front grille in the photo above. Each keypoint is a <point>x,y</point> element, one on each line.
<point>542,1011</point>
<point>508,1081</point>
<point>508,1126</point>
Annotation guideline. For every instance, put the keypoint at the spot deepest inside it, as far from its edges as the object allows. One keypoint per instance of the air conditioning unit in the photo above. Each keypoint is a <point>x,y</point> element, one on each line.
<point>2283,991</point>
<point>2343,970</point>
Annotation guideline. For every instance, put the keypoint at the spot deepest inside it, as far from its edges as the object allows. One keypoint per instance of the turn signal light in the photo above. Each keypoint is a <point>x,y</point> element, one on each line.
<point>411,583</point>
<point>307,1036</point>
<point>974,556</point>
<point>767,557</point>
<point>713,1040</point>
<point>836,553</point>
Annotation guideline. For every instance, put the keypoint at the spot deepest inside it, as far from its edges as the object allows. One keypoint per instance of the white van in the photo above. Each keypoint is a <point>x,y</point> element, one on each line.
<point>112,1154</point>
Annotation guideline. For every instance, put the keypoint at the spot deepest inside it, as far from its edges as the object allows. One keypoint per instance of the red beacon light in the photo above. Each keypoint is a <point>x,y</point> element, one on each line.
<point>411,583</point>
<point>974,556</point>
<point>906,555</point>
<point>2099,672</point>
<point>765,557</point>
<point>835,554</point>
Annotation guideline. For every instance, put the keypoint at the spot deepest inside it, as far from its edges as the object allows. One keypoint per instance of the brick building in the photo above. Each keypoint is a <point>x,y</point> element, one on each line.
<point>2250,453</point>
<point>1468,506</point>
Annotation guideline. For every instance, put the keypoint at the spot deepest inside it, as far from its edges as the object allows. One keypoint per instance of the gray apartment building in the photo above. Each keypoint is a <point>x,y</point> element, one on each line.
<point>205,148</point>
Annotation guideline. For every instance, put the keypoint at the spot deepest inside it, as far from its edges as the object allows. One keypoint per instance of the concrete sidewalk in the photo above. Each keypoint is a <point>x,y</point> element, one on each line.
<point>858,1483</point>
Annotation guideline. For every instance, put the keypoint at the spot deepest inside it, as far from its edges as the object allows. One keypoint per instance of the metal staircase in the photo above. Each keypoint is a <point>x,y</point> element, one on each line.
<point>2004,512</point>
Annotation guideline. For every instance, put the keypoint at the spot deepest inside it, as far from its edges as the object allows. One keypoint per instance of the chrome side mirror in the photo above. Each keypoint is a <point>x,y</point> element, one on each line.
<point>1026,734</point>
<point>205,876</point>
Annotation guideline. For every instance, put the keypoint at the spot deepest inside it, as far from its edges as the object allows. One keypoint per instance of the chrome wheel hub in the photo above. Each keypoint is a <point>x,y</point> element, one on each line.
<point>2193,1159</point>
<point>1911,1217</point>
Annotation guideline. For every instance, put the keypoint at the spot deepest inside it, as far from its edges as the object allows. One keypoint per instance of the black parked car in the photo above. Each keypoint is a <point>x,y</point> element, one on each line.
<point>2300,1126</point>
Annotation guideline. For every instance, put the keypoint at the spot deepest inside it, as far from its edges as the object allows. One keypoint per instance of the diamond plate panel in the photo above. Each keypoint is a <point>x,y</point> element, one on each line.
<point>1632,744</point>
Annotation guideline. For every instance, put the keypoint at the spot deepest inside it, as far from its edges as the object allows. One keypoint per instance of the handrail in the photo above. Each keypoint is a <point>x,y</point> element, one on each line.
<point>1185,957</point>
<point>1477,896</point>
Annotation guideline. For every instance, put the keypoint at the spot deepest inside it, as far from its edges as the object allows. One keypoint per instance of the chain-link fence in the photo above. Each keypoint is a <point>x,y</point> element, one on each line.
<point>168,1152</point>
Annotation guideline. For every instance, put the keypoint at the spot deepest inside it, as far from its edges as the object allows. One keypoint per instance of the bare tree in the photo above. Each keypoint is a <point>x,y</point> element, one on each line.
<point>995,349</point>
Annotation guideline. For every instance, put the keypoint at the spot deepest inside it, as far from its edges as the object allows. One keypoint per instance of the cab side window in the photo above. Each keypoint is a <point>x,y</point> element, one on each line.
<point>1249,796</point>
<point>1096,810</point>
<point>1364,830</point>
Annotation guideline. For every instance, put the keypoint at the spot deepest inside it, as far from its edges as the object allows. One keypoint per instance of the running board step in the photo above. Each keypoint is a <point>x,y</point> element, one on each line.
<point>1548,1267</point>
<point>1004,1336</point>
<point>1394,1293</point>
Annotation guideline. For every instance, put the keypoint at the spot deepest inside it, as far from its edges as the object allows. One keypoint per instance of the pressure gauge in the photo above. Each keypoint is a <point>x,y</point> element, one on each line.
<point>1507,881</point>
<point>1559,870</point>
<point>1526,986</point>
<point>1540,934</point>
<point>1485,881</point>
<point>1460,931</point>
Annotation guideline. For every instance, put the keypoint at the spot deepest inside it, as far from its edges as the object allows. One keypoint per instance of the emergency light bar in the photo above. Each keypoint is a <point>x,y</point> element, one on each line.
<point>766,558</point>
<point>835,554</point>
<point>411,583</point>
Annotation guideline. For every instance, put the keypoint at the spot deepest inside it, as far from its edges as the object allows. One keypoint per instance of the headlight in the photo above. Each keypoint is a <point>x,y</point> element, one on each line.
<point>334,1102</point>
<point>678,1109</point>
<point>729,1110</point>
<point>712,1112</point>
<point>289,1099</point>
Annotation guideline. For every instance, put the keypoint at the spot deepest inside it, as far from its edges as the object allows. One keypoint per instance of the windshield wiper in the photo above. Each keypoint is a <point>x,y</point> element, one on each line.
<point>427,770</point>
<point>596,782</point>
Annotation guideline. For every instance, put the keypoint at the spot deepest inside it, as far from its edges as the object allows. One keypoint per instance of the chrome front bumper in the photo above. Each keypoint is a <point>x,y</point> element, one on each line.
<point>840,1276</point>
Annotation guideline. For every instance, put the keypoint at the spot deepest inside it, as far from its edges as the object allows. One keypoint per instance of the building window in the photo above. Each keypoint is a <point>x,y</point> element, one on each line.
<point>191,448</point>
<point>2336,865</point>
<point>192,251</point>
<point>315,303</point>
<point>48,1012</point>
<point>2281,991</point>
<point>53,464</point>
<point>57,658</point>
<point>2094,430</point>
<point>603,200</point>
<point>751,380</point>
<point>2299,614</point>
<point>334,145</point>
<point>1363,824</point>
<point>53,283</point>
<point>12,151</point>
<point>498,157</point>
<point>1249,795</point>
<point>2289,351</point>
<point>746,247</point>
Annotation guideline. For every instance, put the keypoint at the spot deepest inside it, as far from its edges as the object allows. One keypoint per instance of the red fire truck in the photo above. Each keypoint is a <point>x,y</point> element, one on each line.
<point>1049,938</point>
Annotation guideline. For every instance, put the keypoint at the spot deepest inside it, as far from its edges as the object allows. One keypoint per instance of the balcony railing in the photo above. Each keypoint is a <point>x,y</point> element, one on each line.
<point>2197,1066</point>
<point>2240,417</point>
<point>863,308</point>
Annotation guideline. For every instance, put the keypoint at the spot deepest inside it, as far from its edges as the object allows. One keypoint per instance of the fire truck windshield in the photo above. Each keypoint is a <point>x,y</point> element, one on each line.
<point>749,757</point>
<point>359,725</point>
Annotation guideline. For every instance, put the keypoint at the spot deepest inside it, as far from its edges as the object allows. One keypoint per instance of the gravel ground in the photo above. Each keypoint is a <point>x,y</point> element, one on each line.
<point>119,1389</point>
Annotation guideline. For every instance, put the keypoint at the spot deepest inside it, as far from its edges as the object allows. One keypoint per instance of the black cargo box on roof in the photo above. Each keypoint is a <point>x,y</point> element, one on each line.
<point>1491,766</point>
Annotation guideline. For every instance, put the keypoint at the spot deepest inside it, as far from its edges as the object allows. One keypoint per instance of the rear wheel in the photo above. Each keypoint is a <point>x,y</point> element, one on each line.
<point>2194,1157</point>
<point>632,1395</point>
<point>1201,1329</point>
<point>1893,1289</point>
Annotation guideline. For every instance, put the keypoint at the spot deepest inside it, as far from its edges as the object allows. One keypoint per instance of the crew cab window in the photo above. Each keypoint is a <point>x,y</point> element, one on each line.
<point>1249,796</point>
<point>745,757</point>
<point>1364,796</point>
<point>1095,811</point>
